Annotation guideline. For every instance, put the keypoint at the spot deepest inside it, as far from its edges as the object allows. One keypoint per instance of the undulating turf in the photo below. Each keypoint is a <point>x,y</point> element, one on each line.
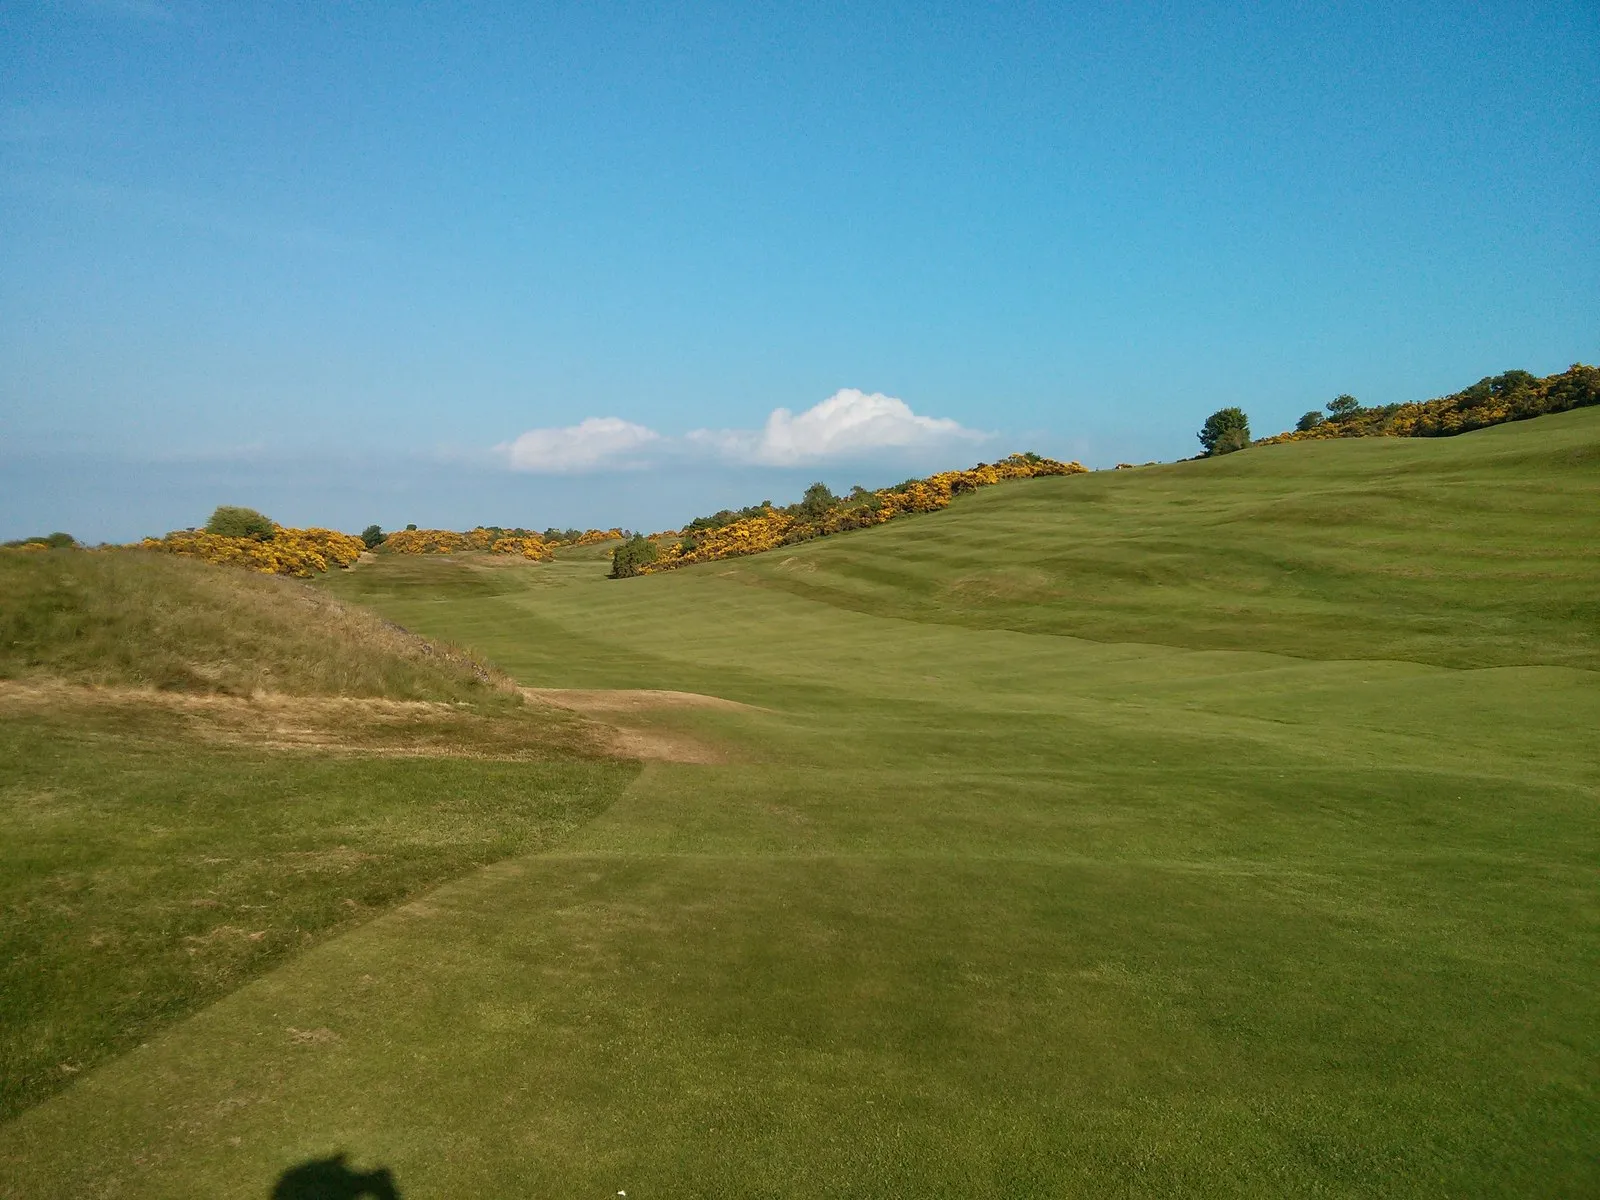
<point>1277,879</point>
<point>1467,551</point>
<point>163,840</point>
<point>146,872</point>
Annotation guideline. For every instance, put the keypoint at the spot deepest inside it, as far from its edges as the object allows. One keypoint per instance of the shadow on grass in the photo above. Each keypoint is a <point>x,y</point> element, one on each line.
<point>332,1179</point>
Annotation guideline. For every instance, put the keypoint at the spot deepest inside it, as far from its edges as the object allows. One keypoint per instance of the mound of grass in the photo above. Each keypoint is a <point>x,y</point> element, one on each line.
<point>133,618</point>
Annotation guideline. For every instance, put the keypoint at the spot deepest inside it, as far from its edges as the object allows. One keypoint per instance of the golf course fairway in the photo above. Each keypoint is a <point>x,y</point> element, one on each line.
<point>1219,828</point>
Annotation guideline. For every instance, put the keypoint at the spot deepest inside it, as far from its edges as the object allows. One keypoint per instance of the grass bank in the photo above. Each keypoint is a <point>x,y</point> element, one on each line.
<point>137,618</point>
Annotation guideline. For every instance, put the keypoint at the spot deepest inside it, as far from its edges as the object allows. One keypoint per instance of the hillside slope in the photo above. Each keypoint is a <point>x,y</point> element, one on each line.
<point>1478,550</point>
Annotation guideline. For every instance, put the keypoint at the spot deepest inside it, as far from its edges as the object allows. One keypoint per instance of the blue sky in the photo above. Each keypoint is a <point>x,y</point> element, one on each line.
<point>564,263</point>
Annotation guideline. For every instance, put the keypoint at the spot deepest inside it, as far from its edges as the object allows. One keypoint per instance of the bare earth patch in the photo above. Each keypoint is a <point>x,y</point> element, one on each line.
<point>392,728</point>
<point>615,700</point>
<point>650,745</point>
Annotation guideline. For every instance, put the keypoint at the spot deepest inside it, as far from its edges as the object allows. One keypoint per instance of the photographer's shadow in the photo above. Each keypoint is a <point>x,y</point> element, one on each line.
<point>332,1179</point>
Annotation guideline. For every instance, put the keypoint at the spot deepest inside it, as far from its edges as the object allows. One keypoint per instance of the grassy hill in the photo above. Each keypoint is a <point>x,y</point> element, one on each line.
<point>1225,828</point>
<point>1476,551</point>
<point>140,619</point>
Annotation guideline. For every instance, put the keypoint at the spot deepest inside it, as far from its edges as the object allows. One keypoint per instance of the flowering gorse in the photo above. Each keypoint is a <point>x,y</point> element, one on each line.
<point>493,540</point>
<point>1512,396</point>
<point>768,527</point>
<point>298,552</point>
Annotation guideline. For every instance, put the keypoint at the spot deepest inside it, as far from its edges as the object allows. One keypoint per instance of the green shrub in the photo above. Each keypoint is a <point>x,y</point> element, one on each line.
<point>56,541</point>
<point>372,537</point>
<point>634,553</point>
<point>229,520</point>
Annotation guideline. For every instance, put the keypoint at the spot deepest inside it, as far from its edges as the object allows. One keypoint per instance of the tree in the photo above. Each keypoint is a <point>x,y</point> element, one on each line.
<point>1225,430</point>
<point>634,553</point>
<point>1309,422</point>
<point>372,537</point>
<point>1343,406</point>
<point>1231,440</point>
<point>229,520</point>
<point>817,501</point>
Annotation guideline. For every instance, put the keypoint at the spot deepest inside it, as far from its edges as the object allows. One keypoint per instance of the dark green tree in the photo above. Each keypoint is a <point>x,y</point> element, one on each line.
<point>818,499</point>
<point>1308,422</point>
<point>1225,430</point>
<point>372,537</point>
<point>1343,406</point>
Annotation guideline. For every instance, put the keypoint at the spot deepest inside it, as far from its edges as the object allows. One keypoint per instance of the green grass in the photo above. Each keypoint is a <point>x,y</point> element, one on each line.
<point>162,841</point>
<point>1227,828</point>
<point>147,873</point>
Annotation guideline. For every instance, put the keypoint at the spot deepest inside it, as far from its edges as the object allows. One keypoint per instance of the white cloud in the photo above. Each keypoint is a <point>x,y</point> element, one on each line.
<point>848,424</point>
<point>595,443</point>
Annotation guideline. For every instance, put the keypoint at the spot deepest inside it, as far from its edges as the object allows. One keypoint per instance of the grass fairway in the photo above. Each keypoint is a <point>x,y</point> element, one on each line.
<point>1226,828</point>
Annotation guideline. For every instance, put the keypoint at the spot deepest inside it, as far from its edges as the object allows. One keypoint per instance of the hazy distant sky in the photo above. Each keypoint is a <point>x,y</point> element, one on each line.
<point>533,263</point>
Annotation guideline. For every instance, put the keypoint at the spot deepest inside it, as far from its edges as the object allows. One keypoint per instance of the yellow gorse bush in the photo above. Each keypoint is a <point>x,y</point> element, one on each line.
<point>298,552</point>
<point>489,539</point>
<point>446,541</point>
<point>1513,396</point>
<point>773,527</point>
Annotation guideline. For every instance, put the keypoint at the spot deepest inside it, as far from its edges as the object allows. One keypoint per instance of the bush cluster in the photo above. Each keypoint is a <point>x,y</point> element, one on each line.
<point>49,541</point>
<point>1493,400</point>
<point>297,552</point>
<point>493,539</point>
<point>819,513</point>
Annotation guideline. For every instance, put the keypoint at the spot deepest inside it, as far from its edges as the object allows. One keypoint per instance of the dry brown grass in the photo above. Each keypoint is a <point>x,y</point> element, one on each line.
<point>628,700</point>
